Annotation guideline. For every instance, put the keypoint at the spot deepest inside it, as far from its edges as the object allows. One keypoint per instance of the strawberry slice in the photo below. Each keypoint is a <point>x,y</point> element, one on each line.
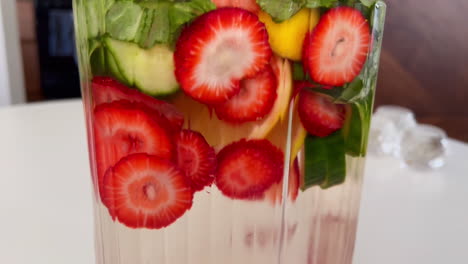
<point>106,90</point>
<point>247,168</point>
<point>318,114</point>
<point>255,99</point>
<point>196,159</point>
<point>275,193</point>
<point>294,180</point>
<point>250,5</point>
<point>336,50</point>
<point>122,128</point>
<point>145,191</point>
<point>217,50</point>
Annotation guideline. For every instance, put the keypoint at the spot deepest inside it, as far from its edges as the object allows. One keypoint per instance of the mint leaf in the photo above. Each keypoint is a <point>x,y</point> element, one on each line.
<point>349,93</point>
<point>298,72</point>
<point>152,22</point>
<point>199,7</point>
<point>335,92</point>
<point>325,161</point>
<point>353,91</point>
<point>182,13</point>
<point>320,3</point>
<point>123,20</point>
<point>158,29</point>
<point>356,128</point>
<point>281,10</point>
<point>107,4</point>
<point>368,3</point>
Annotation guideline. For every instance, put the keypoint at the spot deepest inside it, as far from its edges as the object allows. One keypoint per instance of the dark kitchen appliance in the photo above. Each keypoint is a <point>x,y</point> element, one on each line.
<point>58,65</point>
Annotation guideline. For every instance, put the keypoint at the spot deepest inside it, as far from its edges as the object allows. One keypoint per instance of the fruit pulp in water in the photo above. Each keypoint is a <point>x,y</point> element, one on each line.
<point>212,142</point>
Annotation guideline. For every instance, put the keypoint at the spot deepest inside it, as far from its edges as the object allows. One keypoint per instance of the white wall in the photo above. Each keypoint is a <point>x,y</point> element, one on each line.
<point>12,89</point>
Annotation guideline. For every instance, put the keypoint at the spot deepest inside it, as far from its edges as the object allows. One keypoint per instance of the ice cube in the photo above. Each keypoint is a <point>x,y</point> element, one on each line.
<point>382,138</point>
<point>401,117</point>
<point>387,127</point>
<point>424,147</point>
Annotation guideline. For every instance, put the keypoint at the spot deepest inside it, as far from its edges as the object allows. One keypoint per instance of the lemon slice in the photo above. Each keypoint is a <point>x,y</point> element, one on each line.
<point>218,133</point>
<point>287,38</point>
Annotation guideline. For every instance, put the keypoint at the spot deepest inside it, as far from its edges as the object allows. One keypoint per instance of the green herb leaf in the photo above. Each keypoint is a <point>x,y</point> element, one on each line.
<point>198,7</point>
<point>182,13</point>
<point>298,72</point>
<point>368,3</point>
<point>152,22</point>
<point>349,93</point>
<point>356,128</point>
<point>353,91</point>
<point>159,30</point>
<point>93,18</point>
<point>335,92</point>
<point>281,10</point>
<point>320,3</point>
<point>123,20</point>
<point>365,10</point>
<point>325,161</point>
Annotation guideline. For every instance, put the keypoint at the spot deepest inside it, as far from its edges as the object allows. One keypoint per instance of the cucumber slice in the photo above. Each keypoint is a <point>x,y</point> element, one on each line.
<point>124,54</point>
<point>151,70</point>
<point>98,61</point>
<point>113,68</point>
<point>154,71</point>
<point>102,61</point>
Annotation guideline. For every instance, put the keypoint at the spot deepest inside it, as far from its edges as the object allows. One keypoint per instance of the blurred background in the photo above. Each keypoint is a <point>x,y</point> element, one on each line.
<point>424,63</point>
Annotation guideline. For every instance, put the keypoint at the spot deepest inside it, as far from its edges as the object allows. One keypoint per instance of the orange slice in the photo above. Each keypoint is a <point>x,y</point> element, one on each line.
<point>218,133</point>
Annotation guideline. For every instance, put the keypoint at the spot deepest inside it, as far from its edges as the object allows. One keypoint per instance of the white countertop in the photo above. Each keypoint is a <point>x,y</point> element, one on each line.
<point>407,217</point>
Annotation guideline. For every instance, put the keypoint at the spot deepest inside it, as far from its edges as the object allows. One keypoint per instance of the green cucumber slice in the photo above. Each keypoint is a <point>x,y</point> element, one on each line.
<point>98,61</point>
<point>102,61</point>
<point>154,71</point>
<point>113,68</point>
<point>124,54</point>
<point>150,70</point>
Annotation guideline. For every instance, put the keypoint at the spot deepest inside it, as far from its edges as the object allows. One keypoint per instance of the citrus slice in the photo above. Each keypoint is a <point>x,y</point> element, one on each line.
<point>278,134</point>
<point>218,133</point>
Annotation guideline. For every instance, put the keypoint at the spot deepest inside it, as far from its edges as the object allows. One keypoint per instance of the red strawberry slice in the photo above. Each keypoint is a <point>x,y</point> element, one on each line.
<point>336,50</point>
<point>275,193</point>
<point>247,168</point>
<point>219,49</point>
<point>255,99</point>
<point>121,129</point>
<point>250,5</point>
<point>106,90</point>
<point>196,159</point>
<point>145,191</point>
<point>294,180</point>
<point>318,114</point>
